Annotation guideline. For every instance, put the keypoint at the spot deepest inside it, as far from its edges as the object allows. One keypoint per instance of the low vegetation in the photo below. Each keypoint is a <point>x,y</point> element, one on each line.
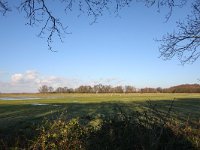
<point>148,130</point>
<point>101,121</point>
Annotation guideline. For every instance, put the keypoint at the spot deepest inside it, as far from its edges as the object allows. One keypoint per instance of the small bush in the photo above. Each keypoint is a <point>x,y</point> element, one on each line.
<point>60,134</point>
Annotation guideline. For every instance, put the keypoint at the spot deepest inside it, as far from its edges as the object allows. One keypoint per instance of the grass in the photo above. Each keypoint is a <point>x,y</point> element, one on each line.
<point>20,117</point>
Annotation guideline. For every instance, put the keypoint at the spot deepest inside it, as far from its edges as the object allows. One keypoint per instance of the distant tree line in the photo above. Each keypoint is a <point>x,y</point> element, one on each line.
<point>184,88</point>
<point>89,89</point>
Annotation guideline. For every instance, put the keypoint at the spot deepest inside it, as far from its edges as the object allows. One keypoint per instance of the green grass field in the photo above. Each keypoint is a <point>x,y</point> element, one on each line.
<point>18,117</point>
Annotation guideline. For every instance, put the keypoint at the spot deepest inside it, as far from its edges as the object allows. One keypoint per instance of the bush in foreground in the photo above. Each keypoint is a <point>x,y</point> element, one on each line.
<point>149,130</point>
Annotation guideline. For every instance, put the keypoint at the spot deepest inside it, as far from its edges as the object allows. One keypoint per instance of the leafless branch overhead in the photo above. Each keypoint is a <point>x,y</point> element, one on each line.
<point>186,42</point>
<point>4,7</point>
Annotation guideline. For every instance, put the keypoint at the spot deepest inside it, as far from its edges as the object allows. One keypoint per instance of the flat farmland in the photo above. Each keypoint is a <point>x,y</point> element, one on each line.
<point>21,113</point>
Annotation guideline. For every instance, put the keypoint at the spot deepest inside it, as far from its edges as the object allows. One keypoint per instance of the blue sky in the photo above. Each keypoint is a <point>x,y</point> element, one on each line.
<point>116,50</point>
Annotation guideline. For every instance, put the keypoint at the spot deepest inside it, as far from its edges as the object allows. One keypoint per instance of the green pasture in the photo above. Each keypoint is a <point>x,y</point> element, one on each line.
<point>22,116</point>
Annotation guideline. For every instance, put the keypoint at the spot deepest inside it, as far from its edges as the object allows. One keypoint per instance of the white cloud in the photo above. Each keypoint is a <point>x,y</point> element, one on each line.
<point>31,75</point>
<point>28,76</point>
<point>16,77</point>
<point>31,80</point>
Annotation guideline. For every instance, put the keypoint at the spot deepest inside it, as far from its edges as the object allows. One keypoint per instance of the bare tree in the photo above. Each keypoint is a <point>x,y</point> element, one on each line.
<point>60,90</point>
<point>50,89</point>
<point>43,89</point>
<point>184,43</point>
<point>118,89</point>
<point>129,89</point>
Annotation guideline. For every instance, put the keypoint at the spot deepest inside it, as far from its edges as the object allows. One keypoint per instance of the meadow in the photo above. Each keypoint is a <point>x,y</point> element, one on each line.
<point>23,119</point>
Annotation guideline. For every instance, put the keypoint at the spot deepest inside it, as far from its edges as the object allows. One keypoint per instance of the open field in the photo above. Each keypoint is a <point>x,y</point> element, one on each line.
<point>20,117</point>
<point>186,105</point>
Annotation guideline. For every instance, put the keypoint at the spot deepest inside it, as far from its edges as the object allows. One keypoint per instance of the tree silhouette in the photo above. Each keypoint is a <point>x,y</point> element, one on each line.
<point>184,43</point>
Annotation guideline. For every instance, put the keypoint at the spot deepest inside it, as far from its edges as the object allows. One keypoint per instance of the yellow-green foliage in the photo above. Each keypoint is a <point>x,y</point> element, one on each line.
<point>60,135</point>
<point>122,131</point>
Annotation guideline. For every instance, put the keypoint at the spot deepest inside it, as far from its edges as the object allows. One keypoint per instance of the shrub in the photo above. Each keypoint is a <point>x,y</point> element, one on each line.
<point>60,134</point>
<point>148,130</point>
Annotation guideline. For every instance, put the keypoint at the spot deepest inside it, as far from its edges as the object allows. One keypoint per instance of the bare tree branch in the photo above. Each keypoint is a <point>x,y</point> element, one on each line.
<point>186,43</point>
<point>170,4</point>
<point>4,7</point>
<point>38,12</point>
<point>96,8</point>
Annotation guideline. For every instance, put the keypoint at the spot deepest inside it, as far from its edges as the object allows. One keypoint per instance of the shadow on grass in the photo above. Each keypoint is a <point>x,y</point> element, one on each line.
<point>123,135</point>
<point>184,109</point>
<point>152,131</point>
<point>123,125</point>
